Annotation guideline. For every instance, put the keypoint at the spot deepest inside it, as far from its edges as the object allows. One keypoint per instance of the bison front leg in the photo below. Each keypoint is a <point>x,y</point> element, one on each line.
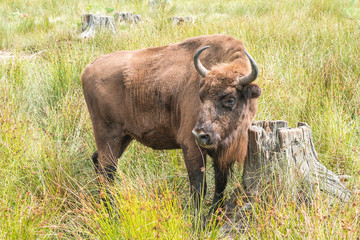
<point>195,162</point>
<point>221,178</point>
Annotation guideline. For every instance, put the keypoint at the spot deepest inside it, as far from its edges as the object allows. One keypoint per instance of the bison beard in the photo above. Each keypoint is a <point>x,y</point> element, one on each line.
<point>175,96</point>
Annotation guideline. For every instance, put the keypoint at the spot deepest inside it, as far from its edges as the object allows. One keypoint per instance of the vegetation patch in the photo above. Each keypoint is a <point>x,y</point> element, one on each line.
<point>308,57</point>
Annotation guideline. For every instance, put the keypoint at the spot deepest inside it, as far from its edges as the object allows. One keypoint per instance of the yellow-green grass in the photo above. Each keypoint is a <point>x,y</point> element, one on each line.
<point>308,54</point>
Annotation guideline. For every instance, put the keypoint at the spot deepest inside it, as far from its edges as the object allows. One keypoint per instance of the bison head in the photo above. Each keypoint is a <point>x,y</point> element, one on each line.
<point>228,101</point>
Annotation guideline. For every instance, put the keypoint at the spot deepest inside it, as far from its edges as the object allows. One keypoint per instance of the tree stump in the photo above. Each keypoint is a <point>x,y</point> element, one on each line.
<point>274,148</point>
<point>181,20</point>
<point>127,17</point>
<point>284,156</point>
<point>92,23</point>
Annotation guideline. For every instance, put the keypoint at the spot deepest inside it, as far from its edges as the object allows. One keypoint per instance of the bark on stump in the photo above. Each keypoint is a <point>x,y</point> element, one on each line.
<point>93,23</point>
<point>287,155</point>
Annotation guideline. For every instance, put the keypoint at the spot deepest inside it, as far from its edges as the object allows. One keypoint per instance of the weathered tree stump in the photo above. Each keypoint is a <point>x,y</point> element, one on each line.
<point>285,156</point>
<point>92,23</point>
<point>275,148</point>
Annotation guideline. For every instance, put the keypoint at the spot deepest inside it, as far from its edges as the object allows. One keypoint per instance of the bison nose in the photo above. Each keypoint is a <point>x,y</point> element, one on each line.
<point>201,137</point>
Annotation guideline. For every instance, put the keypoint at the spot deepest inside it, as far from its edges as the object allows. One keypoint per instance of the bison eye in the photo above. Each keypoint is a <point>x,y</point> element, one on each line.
<point>229,102</point>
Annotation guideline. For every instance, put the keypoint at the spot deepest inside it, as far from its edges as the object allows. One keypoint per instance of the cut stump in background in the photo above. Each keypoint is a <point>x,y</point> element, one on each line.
<point>127,17</point>
<point>92,23</point>
<point>276,151</point>
<point>182,20</point>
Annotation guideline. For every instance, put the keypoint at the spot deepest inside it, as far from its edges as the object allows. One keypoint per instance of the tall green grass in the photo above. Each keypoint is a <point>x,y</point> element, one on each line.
<point>308,55</point>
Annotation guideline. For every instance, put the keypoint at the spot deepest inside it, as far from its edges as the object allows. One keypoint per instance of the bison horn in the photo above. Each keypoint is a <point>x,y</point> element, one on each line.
<point>199,67</point>
<point>251,76</point>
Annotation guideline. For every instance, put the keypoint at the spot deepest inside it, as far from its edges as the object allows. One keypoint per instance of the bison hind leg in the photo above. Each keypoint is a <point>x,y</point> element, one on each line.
<point>111,143</point>
<point>109,170</point>
<point>95,160</point>
<point>110,147</point>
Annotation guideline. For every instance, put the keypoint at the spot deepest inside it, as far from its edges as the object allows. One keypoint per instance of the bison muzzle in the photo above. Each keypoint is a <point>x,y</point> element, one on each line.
<point>171,97</point>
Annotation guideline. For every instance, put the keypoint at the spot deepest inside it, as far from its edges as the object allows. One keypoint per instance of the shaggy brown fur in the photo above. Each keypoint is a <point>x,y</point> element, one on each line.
<point>157,97</point>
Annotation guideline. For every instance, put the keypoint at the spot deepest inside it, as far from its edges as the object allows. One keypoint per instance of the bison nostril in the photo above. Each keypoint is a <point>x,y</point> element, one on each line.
<point>203,137</point>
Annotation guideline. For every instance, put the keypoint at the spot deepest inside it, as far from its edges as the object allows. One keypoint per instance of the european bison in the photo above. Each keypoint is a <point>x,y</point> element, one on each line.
<point>175,96</point>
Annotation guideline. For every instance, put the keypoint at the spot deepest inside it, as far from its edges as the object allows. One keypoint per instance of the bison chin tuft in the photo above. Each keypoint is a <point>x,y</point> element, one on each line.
<point>233,149</point>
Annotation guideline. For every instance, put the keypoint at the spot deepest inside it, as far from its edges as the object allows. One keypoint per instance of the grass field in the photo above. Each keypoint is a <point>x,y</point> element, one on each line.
<point>308,54</point>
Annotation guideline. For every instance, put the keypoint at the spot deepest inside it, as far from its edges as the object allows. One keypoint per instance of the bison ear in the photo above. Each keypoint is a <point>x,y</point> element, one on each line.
<point>251,91</point>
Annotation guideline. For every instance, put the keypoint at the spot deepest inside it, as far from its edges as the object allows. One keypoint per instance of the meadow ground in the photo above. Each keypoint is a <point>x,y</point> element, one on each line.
<point>308,54</point>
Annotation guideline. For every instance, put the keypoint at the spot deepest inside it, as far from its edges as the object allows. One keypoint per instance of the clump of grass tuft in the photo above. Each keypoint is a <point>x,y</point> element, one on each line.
<point>280,216</point>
